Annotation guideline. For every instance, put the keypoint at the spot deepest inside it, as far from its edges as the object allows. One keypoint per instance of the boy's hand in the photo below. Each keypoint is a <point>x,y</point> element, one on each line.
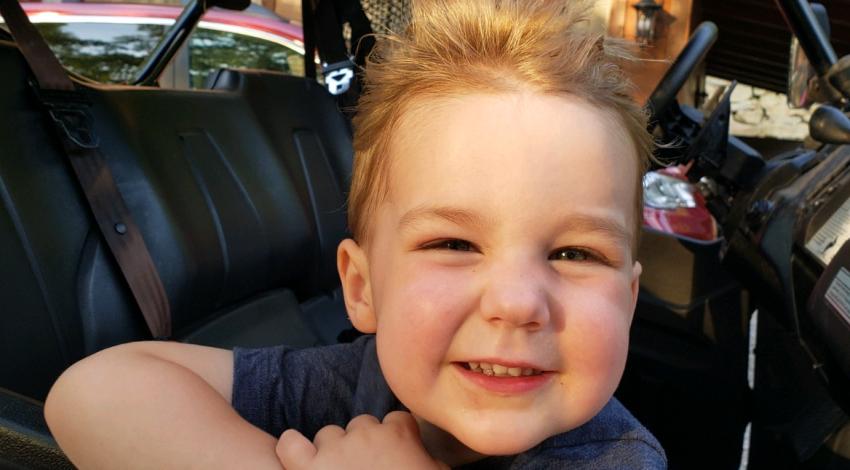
<point>365,443</point>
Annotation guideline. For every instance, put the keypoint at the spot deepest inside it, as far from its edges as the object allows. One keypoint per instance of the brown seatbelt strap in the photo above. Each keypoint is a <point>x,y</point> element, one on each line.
<point>70,112</point>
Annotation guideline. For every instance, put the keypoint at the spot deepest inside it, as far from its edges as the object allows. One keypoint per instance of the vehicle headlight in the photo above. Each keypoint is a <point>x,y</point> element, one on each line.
<point>661,191</point>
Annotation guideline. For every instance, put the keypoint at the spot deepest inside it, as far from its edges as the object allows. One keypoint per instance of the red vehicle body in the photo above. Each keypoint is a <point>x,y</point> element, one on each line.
<point>98,12</point>
<point>694,222</point>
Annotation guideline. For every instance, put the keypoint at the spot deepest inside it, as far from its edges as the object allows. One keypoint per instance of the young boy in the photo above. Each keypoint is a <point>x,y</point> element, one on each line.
<point>495,206</point>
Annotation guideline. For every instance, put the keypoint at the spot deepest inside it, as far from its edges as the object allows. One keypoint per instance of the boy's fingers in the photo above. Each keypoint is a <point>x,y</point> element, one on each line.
<point>294,450</point>
<point>404,420</point>
<point>361,421</point>
<point>327,434</point>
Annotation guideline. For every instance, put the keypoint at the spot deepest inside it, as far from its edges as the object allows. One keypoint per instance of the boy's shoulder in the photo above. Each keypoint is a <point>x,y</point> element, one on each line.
<point>278,388</point>
<point>612,439</point>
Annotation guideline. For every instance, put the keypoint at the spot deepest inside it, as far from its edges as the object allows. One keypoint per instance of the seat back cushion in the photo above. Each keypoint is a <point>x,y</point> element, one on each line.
<point>239,193</point>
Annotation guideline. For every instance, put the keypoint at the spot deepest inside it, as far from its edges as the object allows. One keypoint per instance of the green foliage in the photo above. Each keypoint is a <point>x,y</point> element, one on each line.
<point>113,53</point>
<point>106,58</point>
<point>212,50</point>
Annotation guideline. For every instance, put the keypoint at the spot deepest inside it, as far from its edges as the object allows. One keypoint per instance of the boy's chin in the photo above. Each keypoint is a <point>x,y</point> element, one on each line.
<point>501,439</point>
<point>508,442</point>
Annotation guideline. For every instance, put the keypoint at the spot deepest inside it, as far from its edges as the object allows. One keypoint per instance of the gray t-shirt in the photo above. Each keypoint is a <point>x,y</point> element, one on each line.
<point>306,389</point>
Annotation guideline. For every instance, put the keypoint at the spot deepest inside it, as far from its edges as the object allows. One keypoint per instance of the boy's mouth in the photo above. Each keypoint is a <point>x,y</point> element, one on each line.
<point>498,370</point>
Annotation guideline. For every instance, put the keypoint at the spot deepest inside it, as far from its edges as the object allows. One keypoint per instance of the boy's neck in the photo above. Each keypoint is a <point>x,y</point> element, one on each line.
<point>444,447</point>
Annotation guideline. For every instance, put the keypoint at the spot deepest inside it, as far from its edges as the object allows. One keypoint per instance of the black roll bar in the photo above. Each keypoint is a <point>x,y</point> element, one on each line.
<point>168,46</point>
<point>177,35</point>
<point>308,22</point>
<point>803,23</point>
<point>674,79</point>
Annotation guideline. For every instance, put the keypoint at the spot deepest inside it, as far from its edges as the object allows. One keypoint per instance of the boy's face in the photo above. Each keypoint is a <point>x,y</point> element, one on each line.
<point>504,239</point>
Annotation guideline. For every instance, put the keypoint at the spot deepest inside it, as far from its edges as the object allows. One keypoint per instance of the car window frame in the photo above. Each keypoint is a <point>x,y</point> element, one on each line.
<point>176,74</point>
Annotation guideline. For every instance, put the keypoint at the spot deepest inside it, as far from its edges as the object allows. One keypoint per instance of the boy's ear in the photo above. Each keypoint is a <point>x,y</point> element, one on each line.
<point>353,267</point>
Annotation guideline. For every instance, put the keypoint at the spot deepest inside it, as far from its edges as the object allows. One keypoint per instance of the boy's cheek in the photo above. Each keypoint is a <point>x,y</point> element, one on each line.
<point>595,343</point>
<point>598,356</point>
<point>597,327</point>
<point>418,291</point>
<point>600,307</point>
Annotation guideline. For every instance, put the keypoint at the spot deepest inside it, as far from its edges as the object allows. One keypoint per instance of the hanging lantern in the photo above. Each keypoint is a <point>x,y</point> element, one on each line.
<point>646,16</point>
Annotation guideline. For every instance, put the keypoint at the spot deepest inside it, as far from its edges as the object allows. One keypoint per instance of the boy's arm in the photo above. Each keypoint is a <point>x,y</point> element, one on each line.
<point>154,405</point>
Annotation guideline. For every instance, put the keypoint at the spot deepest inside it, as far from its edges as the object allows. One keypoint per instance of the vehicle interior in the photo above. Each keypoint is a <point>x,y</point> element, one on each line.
<point>238,192</point>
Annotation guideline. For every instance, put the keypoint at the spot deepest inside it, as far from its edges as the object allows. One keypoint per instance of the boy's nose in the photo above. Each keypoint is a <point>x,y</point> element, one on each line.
<point>518,297</point>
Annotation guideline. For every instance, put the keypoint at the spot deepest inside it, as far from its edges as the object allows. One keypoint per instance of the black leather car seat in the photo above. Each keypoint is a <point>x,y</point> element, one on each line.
<point>239,193</point>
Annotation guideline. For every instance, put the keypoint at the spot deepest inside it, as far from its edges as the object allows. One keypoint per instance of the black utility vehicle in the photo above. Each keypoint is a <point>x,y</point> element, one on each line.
<point>236,193</point>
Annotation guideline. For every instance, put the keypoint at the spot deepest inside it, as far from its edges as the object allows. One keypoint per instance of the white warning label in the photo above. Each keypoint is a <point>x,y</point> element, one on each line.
<point>838,294</point>
<point>832,235</point>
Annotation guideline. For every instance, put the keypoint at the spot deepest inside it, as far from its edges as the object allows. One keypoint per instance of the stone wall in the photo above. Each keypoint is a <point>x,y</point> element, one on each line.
<point>761,113</point>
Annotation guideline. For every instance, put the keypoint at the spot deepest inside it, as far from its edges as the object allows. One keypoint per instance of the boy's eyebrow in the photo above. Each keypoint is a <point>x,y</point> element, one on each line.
<point>593,223</point>
<point>572,222</point>
<point>452,214</point>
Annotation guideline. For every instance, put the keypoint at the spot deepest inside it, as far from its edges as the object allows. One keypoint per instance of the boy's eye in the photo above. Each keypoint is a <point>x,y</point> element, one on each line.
<point>451,244</point>
<point>572,254</point>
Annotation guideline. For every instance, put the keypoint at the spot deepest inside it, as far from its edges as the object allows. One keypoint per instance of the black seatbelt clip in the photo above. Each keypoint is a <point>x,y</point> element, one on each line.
<point>76,123</point>
<point>70,109</point>
<point>338,76</point>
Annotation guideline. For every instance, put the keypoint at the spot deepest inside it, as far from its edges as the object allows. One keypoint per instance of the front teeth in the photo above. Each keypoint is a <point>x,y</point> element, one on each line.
<point>499,370</point>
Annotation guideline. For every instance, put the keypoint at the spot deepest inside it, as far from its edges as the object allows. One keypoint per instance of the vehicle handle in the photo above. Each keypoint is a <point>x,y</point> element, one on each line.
<point>694,52</point>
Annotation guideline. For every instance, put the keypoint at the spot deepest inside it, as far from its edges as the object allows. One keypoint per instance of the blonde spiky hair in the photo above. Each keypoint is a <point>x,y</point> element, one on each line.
<point>455,47</point>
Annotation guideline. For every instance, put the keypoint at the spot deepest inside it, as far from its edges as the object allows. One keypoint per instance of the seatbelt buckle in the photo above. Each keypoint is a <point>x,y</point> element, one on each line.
<point>338,76</point>
<point>71,111</point>
<point>76,123</point>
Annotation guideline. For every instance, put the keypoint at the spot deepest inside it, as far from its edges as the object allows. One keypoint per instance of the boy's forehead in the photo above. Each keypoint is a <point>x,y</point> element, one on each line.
<point>425,121</point>
<point>452,151</point>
